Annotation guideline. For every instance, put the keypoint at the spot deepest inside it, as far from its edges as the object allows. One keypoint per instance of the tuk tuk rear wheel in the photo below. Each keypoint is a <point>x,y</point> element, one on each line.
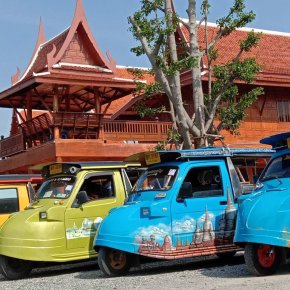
<point>262,259</point>
<point>114,262</point>
<point>14,269</point>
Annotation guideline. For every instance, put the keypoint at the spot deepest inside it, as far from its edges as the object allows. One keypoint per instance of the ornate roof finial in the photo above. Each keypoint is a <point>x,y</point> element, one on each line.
<point>15,77</point>
<point>79,9</point>
<point>41,34</point>
<point>40,38</point>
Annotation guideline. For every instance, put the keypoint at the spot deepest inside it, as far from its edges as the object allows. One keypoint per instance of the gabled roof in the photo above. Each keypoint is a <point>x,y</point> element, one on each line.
<point>272,51</point>
<point>73,63</point>
<point>74,48</point>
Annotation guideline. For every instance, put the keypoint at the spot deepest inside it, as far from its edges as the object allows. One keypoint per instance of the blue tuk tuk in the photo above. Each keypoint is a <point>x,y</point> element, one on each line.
<point>183,205</point>
<point>263,222</point>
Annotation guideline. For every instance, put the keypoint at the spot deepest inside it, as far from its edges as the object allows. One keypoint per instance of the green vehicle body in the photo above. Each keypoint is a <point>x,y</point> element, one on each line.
<point>61,228</point>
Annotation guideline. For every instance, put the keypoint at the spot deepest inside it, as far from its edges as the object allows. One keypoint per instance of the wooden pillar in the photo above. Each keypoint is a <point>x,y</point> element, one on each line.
<point>67,100</point>
<point>28,118</point>
<point>29,105</point>
<point>55,110</point>
<point>98,113</point>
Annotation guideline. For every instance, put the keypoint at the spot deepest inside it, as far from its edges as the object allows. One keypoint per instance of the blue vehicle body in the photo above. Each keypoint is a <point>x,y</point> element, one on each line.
<point>263,222</point>
<point>183,206</point>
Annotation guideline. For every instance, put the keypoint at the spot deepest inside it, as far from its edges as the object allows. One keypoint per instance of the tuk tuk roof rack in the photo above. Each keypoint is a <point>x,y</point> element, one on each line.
<point>211,152</point>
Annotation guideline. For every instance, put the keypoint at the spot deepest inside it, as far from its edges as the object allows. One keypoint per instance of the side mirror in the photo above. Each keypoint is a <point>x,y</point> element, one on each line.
<point>185,191</point>
<point>81,198</point>
<point>32,194</point>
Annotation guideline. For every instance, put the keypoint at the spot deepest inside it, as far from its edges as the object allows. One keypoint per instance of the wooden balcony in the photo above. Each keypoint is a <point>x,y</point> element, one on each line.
<point>41,130</point>
<point>135,131</point>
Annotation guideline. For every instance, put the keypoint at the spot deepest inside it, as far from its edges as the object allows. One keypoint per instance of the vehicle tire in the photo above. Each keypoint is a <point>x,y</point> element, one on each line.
<point>13,268</point>
<point>114,262</point>
<point>226,255</point>
<point>262,259</point>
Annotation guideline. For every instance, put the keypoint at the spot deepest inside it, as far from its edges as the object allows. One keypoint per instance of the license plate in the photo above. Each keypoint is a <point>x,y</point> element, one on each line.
<point>152,157</point>
<point>55,169</point>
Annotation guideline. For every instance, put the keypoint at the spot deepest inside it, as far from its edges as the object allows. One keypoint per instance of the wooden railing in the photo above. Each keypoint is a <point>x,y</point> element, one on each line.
<point>12,145</point>
<point>135,130</point>
<point>37,130</point>
<point>80,126</point>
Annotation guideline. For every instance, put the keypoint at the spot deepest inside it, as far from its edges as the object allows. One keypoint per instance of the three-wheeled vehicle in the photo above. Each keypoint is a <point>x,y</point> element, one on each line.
<point>183,205</point>
<point>16,192</point>
<point>61,224</point>
<point>263,224</point>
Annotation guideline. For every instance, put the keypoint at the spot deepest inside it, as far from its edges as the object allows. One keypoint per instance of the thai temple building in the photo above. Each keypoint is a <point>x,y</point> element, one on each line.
<point>64,101</point>
<point>73,102</point>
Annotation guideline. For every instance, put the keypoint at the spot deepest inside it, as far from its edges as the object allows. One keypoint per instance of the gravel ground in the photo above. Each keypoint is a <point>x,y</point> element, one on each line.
<point>199,273</point>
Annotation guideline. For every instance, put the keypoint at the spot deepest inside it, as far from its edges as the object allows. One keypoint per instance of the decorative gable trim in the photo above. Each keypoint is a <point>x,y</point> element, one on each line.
<point>80,19</point>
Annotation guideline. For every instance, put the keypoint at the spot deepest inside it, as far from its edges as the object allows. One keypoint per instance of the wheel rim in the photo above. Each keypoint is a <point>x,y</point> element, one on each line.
<point>117,259</point>
<point>266,255</point>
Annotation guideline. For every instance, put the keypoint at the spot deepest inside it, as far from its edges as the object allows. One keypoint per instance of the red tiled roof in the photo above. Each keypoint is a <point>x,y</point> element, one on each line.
<point>116,105</point>
<point>272,52</point>
<point>126,73</point>
<point>39,63</point>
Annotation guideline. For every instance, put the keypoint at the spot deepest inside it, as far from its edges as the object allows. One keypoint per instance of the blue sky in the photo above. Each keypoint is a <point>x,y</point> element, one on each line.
<point>19,22</point>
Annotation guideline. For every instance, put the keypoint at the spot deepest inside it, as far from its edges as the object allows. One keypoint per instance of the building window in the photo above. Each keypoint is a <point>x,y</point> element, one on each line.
<point>283,111</point>
<point>8,200</point>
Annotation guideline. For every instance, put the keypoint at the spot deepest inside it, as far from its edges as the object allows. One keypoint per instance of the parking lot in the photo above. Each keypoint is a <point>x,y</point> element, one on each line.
<point>198,273</point>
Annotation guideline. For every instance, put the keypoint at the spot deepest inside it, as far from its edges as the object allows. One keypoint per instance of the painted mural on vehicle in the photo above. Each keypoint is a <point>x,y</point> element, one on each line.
<point>88,228</point>
<point>193,236</point>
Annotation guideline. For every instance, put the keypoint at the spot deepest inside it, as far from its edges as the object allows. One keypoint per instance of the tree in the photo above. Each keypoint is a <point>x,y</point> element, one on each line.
<point>155,24</point>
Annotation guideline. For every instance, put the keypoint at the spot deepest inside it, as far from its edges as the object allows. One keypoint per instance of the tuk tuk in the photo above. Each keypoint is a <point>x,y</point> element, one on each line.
<point>61,224</point>
<point>183,205</point>
<point>263,221</point>
<point>16,192</point>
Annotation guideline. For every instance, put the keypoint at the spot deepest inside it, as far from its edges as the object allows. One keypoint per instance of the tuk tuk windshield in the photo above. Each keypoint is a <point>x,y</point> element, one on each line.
<point>157,178</point>
<point>59,187</point>
<point>277,168</point>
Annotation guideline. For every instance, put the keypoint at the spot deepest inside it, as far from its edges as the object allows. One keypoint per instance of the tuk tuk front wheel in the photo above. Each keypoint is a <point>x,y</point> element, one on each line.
<point>262,259</point>
<point>114,262</point>
<point>13,268</point>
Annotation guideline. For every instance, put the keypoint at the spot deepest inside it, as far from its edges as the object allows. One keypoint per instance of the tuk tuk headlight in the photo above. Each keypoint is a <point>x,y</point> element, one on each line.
<point>43,215</point>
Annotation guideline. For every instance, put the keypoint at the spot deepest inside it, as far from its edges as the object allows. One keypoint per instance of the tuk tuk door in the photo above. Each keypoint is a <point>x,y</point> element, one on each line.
<point>13,198</point>
<point>82,219</point>
<point>206,216</point>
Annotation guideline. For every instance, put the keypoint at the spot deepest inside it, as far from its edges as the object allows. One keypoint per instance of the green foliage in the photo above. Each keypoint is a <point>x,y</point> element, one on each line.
<point>153,26</point>
<point>205,6</point>
<point>251,41</point>
<point>233,111</point>
<point>148,89</point>
<point>236,18</point>
<point>172,137</point>
<point>143,110</point>
<point>138,73</point>
<point>225,75</point>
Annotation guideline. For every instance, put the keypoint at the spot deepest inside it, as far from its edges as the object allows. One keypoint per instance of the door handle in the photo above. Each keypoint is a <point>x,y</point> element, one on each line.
<point>223,202</point>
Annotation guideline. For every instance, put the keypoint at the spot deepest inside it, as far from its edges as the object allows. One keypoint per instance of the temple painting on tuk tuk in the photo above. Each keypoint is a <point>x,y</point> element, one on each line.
<point>88,228</point>
<point>191,236</point>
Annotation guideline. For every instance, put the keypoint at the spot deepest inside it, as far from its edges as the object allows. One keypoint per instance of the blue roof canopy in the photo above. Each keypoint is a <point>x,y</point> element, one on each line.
<point>276,141</point>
